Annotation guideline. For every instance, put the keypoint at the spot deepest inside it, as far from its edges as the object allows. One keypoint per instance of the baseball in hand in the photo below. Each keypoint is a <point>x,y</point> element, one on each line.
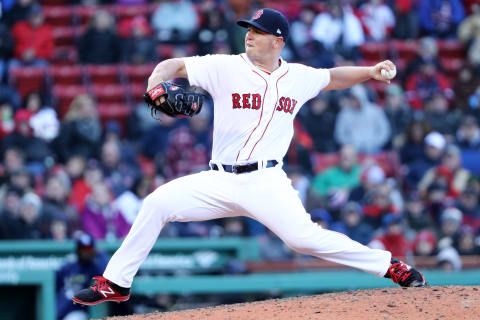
<point>388,74</point>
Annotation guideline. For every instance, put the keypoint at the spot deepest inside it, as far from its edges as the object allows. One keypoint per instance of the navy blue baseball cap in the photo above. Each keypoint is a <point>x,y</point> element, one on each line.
<point>270,21</point>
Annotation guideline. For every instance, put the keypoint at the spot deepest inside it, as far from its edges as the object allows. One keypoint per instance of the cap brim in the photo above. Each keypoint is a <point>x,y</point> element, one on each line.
<point>247,23</point>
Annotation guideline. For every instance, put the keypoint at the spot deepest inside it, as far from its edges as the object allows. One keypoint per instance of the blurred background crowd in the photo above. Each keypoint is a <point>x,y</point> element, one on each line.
<point>392,166</point>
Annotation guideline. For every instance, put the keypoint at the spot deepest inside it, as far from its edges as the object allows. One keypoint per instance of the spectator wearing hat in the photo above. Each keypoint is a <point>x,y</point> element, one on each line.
<point>449,173</point>
<point>449,260</point>
<point>435,144</point>
<point>468,134</point>
<point>425,243</point>
<point>392,238</point>
<point>370,178</point>
<point>72,276</point>
<point>33,38</point>
<point>416,214</point>
<point>450,226</point>
<point>351,223</point>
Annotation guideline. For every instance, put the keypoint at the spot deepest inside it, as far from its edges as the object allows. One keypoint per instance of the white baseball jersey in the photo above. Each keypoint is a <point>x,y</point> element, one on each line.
<point>253,122</point>
<point>253,110</point>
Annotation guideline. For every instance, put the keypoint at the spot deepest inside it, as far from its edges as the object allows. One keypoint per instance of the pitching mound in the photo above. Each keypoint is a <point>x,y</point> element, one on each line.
<point>442,303</point>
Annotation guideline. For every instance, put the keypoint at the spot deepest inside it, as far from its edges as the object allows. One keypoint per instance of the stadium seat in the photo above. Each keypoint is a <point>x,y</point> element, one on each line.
<point>130,11</point>
<point>58,15</point>
<point>136,92</point>
<point>451,49</point>
<point>66,75</point>
<point>55,2</point>
<point>83,14</point>
<point>64,36</point>
<point>63,96</point>
<point>374,50</point>
<point>103,74</point>
<point>404,49</point>
<point>27,79</point>
<point>138,74</point>
<point>111,93</point>
<point>452,66</point>
<point>114,111</point>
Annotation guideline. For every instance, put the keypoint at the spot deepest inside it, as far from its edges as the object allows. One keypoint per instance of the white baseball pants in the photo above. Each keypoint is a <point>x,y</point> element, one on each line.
<point>265,195</point>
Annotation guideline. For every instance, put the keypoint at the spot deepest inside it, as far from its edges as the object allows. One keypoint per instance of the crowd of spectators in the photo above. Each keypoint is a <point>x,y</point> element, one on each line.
<point>393,167</point>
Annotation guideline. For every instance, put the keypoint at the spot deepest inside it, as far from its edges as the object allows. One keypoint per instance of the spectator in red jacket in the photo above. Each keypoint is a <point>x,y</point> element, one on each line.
<point>393,238</point>
<point>421,86</point>
<point>33,39</point>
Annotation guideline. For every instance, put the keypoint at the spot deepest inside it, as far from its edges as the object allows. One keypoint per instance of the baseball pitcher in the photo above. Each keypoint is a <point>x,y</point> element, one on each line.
<point>256,96</point>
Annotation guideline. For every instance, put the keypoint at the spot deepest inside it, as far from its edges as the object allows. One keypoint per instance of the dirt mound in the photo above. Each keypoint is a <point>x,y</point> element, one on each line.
<point>443,302</point>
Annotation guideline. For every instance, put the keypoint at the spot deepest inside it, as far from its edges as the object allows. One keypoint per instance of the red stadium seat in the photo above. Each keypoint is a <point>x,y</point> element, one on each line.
<point>451,49</point>
<point>112,93</point>
<point>66,75</point>
<point>374,50</point>
<point>58,15</point>
<point>54,2</point>
<point>404,49</point>
<point>114,111</point>
<point>136,92</point>
<point>64,36</point>
<point>130,11</point>
<point>103,74</point>
<point>83,14</point>
<point>452,65</point>
<point>27,79</point>
<point>138,74</point>
<point>64,94</point>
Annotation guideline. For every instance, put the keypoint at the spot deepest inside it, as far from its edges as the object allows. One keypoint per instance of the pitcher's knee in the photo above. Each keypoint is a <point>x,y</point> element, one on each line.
<point>155,205</point>
<point>300,245</point>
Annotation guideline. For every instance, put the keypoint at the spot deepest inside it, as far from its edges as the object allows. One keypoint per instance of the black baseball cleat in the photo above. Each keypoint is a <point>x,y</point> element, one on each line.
<point>405,275</point>
<point>102,290</point>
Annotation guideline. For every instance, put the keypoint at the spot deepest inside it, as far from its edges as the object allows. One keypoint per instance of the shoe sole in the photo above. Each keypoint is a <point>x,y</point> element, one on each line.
<point>113,299</point>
